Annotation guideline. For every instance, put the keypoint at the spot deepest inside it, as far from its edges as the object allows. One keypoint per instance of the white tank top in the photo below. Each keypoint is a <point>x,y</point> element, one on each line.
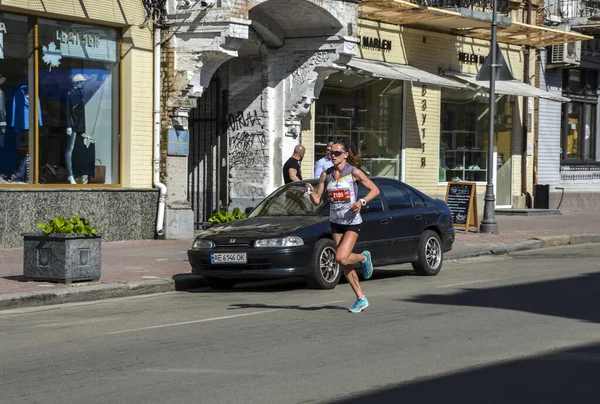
<point>342,194</point>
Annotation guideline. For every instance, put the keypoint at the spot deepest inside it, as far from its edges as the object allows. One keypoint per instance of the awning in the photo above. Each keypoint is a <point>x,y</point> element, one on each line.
<point>508,87</point>
<point>401,72</point>
<point>464,22</point>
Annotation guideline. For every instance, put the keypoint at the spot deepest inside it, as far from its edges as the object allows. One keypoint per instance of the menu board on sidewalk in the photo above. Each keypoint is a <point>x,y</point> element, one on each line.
<point>462,201</point>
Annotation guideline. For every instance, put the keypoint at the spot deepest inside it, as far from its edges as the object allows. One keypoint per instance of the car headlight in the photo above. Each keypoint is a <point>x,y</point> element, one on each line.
<point>201,243</point>
<point>291,241</point>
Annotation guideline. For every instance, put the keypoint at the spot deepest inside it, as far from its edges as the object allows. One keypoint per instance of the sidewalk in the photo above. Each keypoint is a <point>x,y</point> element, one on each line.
<point>153,266</point>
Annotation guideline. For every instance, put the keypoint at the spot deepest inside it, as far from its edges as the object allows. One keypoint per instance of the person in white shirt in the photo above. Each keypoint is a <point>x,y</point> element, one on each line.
<point>325,162</point>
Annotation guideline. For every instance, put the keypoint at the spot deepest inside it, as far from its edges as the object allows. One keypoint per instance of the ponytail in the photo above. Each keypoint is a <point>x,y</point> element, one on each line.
<point>353,158</point>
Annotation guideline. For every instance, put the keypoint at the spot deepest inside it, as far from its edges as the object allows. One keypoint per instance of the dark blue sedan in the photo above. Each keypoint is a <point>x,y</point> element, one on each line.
<point>287,236</point>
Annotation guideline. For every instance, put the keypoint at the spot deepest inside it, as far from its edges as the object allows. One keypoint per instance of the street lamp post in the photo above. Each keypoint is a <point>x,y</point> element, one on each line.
<point>489,224</point>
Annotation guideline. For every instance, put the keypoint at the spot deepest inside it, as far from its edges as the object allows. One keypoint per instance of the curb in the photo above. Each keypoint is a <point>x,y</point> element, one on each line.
<point>100,292</point>
<point>531,244</point>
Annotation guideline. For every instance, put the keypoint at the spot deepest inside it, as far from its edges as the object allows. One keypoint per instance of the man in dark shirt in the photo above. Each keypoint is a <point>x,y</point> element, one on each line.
<point>291,168</point>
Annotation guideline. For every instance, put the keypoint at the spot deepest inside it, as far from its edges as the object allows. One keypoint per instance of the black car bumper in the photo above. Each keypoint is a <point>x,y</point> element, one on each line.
<point>267,263</point>
<point>448,240</point>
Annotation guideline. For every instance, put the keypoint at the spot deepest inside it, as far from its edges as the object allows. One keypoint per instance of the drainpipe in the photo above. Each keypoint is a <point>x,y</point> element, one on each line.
<point>526,117</point>
<point>156,141</point>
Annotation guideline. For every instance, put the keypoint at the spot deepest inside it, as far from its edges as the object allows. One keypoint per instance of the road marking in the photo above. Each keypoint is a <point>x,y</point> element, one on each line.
<point>210,371</point>
<point>467,283</point>
<point>206,320</point>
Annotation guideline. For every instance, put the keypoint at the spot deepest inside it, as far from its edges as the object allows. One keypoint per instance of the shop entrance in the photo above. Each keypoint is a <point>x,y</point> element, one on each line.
<point>207,161</point>
<point>504,129</point>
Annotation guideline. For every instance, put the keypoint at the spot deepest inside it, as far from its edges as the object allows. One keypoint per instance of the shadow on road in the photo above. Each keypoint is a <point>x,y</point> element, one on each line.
<point>195,284</point>
<point>566,376</point>
<point>575,298</point>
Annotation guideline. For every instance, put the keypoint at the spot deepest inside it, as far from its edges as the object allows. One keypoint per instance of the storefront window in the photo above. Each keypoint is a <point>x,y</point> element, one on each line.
<point>464,134</point>
<point>16,139</point>
<point>79,98</point>
<point>366,113</point>
<point>579,129</point>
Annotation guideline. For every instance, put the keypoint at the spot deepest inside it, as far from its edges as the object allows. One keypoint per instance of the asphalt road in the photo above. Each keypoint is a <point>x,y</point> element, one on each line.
<point>517,329</point>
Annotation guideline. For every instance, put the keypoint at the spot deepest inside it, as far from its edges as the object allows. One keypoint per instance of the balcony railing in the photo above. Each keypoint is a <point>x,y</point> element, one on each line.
<point>479,5</point>
<point>572,8</point>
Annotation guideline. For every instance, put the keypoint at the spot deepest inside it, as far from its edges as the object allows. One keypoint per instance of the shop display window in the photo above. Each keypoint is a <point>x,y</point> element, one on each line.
<point>59,103</point>
<point>464,134</point>
<point>79,94</point>
<point>16,138</point>
<point>367,114</point>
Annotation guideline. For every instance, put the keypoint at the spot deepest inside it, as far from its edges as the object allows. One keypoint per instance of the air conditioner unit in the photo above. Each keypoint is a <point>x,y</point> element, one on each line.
<point>565,54</point>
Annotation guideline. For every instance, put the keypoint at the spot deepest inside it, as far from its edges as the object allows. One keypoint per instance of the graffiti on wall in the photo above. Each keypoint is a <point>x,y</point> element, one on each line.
<point>247,150</point>
<point>254,192</point>
<point>239,121</point>
<point>249,156</point>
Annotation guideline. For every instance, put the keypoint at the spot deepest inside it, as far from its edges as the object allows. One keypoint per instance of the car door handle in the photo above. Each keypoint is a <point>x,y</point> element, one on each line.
<point>385,221</point>
<point>418,217</point>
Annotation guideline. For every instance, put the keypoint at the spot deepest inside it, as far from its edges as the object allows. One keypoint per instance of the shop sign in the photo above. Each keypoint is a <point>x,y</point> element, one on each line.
<point>84,42</point>
<point>178,142</point>
<point>470,58</point>
<point>182,102</point>
<point>88,39</point>
<point>376,43</point>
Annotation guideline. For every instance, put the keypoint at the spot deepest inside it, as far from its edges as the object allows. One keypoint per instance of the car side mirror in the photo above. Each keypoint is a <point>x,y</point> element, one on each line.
<point>249,210</point>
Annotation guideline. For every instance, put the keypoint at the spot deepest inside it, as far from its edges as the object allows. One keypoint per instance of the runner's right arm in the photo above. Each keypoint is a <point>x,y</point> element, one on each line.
<point>315,196</point>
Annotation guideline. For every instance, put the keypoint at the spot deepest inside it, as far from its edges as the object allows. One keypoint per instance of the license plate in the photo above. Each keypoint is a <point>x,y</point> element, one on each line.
<point>228,258</point>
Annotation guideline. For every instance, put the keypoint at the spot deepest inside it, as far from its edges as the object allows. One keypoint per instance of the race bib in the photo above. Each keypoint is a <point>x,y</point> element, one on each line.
<point>339,196</point>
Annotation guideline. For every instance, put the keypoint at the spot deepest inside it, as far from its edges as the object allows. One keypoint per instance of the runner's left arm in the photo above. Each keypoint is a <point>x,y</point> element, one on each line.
<point>359,176</point>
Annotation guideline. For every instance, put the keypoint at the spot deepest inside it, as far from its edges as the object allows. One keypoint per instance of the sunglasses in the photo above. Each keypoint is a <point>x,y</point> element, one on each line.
<point>336,153</point>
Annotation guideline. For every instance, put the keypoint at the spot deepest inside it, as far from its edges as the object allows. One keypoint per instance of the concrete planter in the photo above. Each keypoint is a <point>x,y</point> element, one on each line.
<point>62,258</point>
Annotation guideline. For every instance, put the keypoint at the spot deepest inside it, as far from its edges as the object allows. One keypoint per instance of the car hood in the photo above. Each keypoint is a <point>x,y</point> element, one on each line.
<point>260,227</point>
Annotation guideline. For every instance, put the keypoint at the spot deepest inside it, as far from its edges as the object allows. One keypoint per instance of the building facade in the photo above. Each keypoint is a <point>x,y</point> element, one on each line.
<point>252,70</point>
<point>412,105</point>
<point>428,124</point>
<point>400,84</point>
<point>568,148</point>
<point>76,117</point>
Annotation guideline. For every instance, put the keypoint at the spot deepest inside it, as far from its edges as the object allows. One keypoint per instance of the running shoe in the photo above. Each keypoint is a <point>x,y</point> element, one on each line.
<point>367,266</point>
<point>359,305</point>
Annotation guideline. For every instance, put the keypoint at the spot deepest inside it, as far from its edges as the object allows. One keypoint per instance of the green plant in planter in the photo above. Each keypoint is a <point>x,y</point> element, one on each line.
<point>72,225</point>
<point>223,216</point>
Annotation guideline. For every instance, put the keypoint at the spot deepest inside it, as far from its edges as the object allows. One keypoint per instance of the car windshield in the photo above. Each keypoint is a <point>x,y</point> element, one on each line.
<point>289,201</point>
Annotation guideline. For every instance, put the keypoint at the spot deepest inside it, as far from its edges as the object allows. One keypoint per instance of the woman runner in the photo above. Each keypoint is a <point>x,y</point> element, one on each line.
<point>344,214</point>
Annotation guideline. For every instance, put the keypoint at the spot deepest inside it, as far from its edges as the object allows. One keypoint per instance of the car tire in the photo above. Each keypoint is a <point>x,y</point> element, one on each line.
<point>430,254</point>
<point>219,283</point>
<point>325,272</point>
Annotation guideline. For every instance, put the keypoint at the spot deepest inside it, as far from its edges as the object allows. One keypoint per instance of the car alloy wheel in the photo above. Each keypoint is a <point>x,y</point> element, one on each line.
<point>433,252</point>
<point>329,267</point>
<point>324,271</point>
<point>430,254</point>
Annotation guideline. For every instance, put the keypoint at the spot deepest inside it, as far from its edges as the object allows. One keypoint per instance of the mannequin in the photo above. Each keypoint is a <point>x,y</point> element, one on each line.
<point>20,127</point>
<point>75,110</point>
